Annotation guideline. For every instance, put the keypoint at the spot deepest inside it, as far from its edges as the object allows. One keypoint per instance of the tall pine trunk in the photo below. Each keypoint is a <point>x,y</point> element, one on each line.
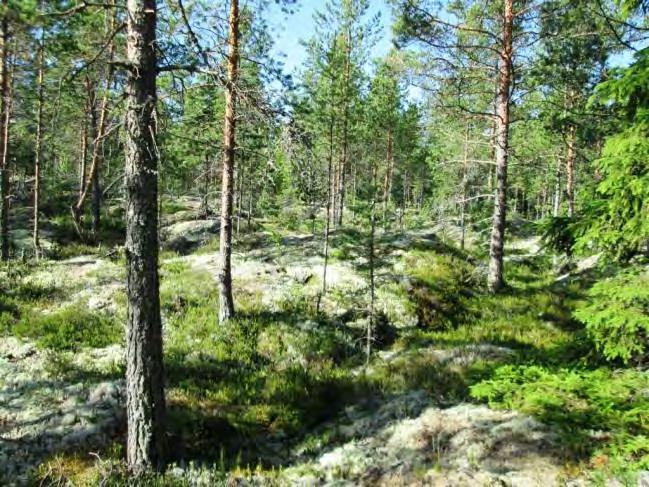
<point>495,278</point>
<point>145,402</point>
<point>226,301</point>
<point>4,134</point>
<point>38,148</point>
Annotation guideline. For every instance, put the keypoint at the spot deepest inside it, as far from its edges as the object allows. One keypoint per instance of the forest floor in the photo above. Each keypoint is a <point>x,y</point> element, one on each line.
<point>462,388</point>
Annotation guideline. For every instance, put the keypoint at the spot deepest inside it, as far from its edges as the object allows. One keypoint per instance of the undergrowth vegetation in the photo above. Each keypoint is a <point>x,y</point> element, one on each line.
<point>265,375</point>
<point>70,328</point>
<point>617,315</point>
<point>554,373</point>
<point>243,396</point>
<point>26,311</point>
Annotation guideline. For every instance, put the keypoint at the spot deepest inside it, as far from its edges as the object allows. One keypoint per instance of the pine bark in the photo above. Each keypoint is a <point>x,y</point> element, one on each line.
<point>145,402</point>
<point>226,301</point>
<point>495,278</point>
<point>4,132</point>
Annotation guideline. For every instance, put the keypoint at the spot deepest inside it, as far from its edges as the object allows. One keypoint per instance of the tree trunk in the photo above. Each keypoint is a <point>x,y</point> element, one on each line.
<point>465,184</point>
<point>94,167</point>
<point>371,319</point>
<point>333,192</point>
<point>38,149</point>
<point>405,198</point>
<point>249,215</point>
<point>556,203</point>
<point>4,134</point>
<point>495,279</point>
<point>83,159</point>
<point>226,301</point>
<point>345,146</point>
<point>145,402</point>
<point>571,156</point>
<point>99,130</point>
<point>205,204</point>
<point>354,189</point>
<point>330,201</point>
<point>387,183</point>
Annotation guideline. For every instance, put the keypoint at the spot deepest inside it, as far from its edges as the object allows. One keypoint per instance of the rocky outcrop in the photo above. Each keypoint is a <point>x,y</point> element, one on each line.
<point>185,236</point>
<point>42,414</point>
<point>409,442</point>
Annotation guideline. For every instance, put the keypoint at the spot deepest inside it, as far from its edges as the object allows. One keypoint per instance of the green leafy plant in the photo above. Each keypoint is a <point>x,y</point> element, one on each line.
<point>69,329</point>
<point>617,316</point>
<point>600,413</point>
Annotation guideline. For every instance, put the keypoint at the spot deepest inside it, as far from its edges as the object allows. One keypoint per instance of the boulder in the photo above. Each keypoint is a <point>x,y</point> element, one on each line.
<point>183,237</point>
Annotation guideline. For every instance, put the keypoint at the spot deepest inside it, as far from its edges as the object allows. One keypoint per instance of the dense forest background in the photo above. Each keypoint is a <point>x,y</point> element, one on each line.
<point>480,190</point>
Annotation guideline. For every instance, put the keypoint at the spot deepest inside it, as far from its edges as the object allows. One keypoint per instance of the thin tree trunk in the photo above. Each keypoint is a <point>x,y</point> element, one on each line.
<point>333,193</point>
<point>330,204</point>
<point>249,216</point>
<point>38,153</point>
<point>83,159</point>
<point>96,203</point>
<point>4,134</point>
<point>371,318</point>
<point>495,278</point>
<point>465,184</point>
<point>354,189</point>
<point>556,203</point>
<point>345,141</point>
<point>94,170</point>
<point>226,301</point>
<point>405,198</point>
<point>205,205</point>
<point>145,402</point>
<point>570,170</point>
<point>387,183</point>
<point>92,181</point>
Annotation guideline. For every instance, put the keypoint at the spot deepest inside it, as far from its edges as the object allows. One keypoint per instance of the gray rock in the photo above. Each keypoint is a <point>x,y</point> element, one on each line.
<point>68,419</point>
<point>185,236</point>
<point>105,394</point>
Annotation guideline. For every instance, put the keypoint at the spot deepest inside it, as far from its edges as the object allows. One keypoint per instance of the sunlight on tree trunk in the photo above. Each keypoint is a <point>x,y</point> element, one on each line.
<point>145,401</point>
<point>495,278</point>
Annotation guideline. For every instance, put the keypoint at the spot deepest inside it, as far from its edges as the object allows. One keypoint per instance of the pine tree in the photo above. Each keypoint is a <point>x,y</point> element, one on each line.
<point>145,402</point>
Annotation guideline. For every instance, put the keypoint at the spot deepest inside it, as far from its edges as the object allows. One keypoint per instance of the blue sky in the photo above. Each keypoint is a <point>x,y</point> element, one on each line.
<point>288,30</point>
